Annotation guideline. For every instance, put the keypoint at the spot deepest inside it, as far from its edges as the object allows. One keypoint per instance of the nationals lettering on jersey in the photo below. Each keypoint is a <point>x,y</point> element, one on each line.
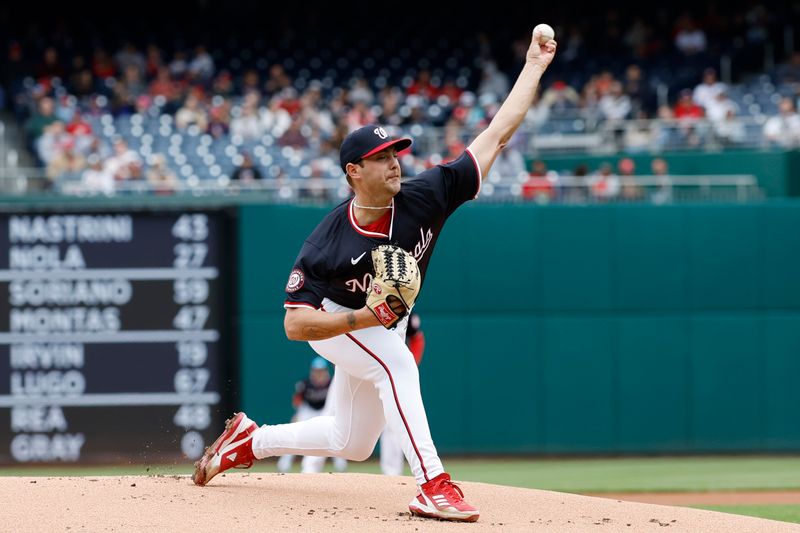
<point>335,261</point>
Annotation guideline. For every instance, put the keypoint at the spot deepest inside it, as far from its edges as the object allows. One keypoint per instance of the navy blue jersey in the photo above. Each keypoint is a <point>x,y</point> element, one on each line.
<point>310,393</point>
<point>335,260</point>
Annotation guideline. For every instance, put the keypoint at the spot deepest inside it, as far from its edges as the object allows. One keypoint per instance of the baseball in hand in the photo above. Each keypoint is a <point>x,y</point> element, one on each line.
<point>546,32</point>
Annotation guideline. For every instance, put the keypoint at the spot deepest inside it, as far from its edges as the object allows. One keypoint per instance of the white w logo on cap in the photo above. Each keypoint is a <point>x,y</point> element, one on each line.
<point>380,132</point>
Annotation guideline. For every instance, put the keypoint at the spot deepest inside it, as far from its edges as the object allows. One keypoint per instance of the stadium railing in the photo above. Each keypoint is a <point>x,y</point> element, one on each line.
<point>577,133</point>
<point>554,188</point>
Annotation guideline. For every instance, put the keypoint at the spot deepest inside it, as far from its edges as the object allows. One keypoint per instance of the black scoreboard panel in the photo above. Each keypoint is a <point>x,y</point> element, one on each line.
<point>113,335</point>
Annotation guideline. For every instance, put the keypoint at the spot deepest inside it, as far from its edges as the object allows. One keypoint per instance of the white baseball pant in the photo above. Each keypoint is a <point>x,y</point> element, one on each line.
<point>392,458</point>
<point>377,385</point>
<point>310,464</point>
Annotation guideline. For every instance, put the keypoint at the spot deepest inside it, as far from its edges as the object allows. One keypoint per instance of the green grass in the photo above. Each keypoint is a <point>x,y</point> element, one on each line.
<point>784,513</point>
<point>662,474</point>
<point>638,474</point>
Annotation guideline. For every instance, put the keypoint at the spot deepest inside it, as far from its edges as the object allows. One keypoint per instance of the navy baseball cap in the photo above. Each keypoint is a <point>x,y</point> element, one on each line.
<point>366,141</point>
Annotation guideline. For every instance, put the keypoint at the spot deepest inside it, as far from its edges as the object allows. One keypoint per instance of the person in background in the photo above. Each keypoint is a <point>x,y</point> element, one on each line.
<point>539,186</point>
<point>309,400</point>
<point>192,113</point>
<point>783,130</point>
<point>663,192</point>
<point>689,37</point>
<point>706,91</point>
<point>689,115</point>
<point>67,162</point>
<point>631,190</point>
<point>124,164</point>
<point>36,125</point>
<point>160,177</point>
<point>604,184</point>
<point>247,171</point>
<point>96,179</point>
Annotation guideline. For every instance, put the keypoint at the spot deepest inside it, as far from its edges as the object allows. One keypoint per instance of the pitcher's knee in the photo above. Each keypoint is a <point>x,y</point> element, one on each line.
<point>359,455</point>
<point>358,451</point>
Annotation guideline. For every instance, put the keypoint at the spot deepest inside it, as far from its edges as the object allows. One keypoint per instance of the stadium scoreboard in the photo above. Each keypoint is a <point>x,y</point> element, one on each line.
<point>112,336</point>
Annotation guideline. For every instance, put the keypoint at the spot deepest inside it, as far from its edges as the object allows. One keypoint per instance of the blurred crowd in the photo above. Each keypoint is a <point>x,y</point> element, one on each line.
<point>605,184</point>
<point>67,99</point>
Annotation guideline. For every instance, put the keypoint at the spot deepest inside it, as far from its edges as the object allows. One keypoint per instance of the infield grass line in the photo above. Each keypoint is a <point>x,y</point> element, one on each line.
<point>784,513</point>
<point>662,474</point>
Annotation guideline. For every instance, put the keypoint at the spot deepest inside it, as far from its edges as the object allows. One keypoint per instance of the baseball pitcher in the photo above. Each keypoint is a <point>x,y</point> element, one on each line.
<point>349,294</point>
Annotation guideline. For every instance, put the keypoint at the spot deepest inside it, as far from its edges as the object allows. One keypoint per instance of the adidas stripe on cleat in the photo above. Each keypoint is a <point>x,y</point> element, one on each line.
<point>441,498</point>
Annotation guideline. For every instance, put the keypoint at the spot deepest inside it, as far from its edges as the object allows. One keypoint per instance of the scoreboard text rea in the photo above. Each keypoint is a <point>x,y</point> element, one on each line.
<point>112,329</point>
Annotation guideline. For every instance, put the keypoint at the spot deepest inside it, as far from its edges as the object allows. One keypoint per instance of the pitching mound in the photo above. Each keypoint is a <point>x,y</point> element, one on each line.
<point>325,502</point>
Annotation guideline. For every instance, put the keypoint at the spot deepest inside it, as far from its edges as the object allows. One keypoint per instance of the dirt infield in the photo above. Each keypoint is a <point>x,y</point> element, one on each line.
<point>325,502</point>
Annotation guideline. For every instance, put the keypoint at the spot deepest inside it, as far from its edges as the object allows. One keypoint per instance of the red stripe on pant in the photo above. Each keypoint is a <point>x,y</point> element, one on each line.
<point>397,402</point>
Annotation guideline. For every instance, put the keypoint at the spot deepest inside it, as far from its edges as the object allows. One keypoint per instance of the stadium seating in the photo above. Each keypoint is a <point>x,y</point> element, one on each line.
<point>332,64</point>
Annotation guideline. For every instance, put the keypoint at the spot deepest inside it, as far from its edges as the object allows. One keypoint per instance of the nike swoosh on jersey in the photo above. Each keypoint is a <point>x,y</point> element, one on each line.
<point>353,261</point>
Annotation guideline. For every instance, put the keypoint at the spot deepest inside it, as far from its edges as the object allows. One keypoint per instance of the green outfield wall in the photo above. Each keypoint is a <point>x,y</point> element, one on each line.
<point>778,172</point>
<point>562,329</point>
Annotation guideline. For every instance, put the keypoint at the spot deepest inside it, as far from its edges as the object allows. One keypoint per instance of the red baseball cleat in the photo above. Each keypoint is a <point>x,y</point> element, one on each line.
<point>233,449</point>
<point>443,499</point>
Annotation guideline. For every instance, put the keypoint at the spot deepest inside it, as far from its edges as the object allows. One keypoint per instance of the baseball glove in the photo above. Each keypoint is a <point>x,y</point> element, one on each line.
<point>395,285</point>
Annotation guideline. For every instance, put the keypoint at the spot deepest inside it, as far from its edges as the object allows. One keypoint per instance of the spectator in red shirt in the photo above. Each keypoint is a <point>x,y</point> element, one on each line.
<point>688,113</point>
<point>423,86</point>
<point>289,100</point>
<point>78,126</point>
<point>451,91</point>
<point>686,107</point>
<point>538,186</point>
<point>102,65</point>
